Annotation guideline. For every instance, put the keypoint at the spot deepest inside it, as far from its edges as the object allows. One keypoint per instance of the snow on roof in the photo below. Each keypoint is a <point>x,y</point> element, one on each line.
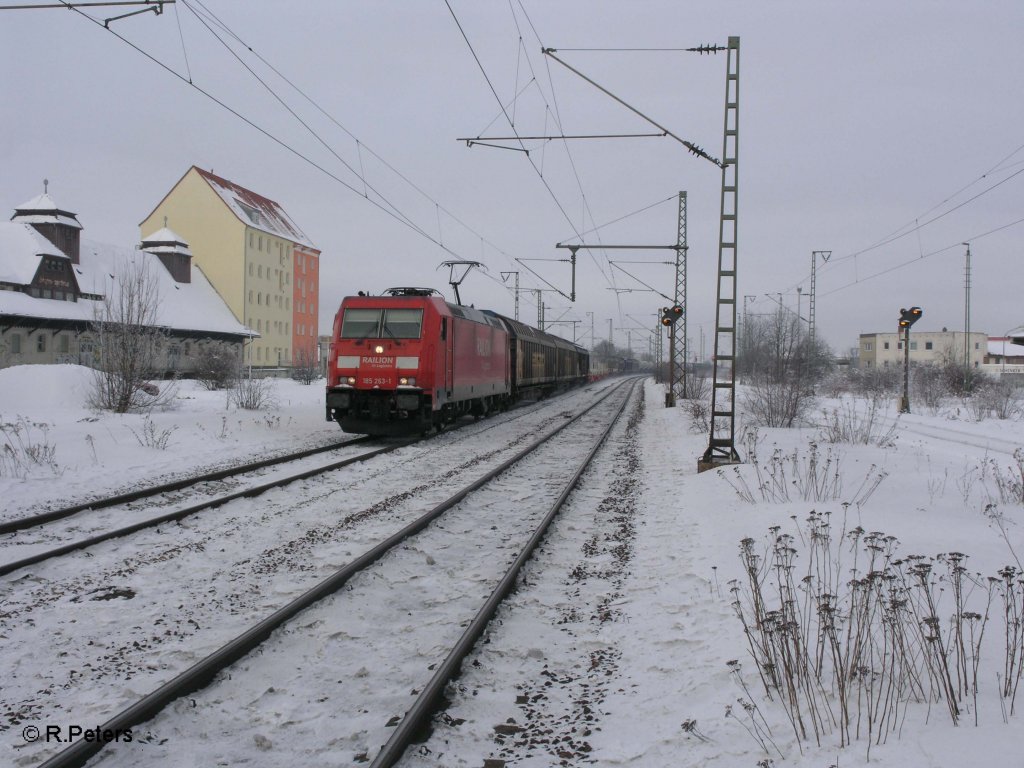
<point>255,210</point>
<point>999,348</point>
<point>43,210</point>
<point>194,306</point>
<point>166,240</point>
<point>21,247</point>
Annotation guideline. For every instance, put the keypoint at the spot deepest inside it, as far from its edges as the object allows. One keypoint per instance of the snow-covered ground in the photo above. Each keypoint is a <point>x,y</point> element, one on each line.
<point>616,649</point>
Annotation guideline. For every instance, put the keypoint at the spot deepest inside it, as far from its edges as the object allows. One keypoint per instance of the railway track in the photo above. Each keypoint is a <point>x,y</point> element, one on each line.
<point>40,539</point>
<point>481,542</point>
<point>31,521</point>
<point>963,437</point>
<point>29,540</point>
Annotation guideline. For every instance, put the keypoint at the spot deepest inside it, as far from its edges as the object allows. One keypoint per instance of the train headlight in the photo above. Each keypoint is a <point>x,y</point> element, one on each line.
<point>407,381</point>
<point>379,349</point>
<point>351,379</point>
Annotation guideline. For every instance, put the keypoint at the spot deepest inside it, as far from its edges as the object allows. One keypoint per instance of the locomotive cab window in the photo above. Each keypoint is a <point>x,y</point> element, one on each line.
<point>403,323</point>
<point>361,324</point>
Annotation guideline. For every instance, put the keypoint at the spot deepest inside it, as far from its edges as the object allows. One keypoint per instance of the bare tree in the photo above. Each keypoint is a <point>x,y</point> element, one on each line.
<point>129,342</point>
<point>783,365</point>
<point>305,367</point>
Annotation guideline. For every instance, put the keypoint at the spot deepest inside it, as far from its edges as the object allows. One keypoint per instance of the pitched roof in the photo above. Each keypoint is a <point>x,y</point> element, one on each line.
<point>194,306</point>
<point>166,240</point>
<point>43,210</point>
<point>21,248</point>
<point>255,210</point>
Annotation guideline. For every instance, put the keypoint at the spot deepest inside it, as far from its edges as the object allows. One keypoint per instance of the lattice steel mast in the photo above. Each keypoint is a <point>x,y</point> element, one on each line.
<point>814,292</point>
<point>678,383</point>
<point>721,444</point>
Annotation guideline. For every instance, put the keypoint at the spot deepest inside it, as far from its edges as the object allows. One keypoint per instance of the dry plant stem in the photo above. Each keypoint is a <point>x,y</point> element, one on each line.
<point>853,657</point>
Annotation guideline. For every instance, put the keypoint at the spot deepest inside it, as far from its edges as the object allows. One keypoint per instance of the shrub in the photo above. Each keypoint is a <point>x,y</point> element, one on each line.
<point>252,394</point>
<point>151,437</point>
<point>24,443</point>
<point>849,423</point>
<point>216,368</point>
<point>811,476</point>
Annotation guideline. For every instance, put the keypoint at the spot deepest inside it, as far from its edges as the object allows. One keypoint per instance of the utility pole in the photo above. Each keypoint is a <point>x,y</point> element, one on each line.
<point>540,309</point>
<point>799,296</point>
<point>658,342</point>
<point>967,315</point>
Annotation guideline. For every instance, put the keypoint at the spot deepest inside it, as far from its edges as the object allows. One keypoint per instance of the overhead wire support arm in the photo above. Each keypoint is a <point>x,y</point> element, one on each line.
<point>571,260</point>
<point>688,144</point>
<point>479,139</point>
<point>646,285</point>
<point>474,142</point>
<point>155,5</point>
<point>158,8</point>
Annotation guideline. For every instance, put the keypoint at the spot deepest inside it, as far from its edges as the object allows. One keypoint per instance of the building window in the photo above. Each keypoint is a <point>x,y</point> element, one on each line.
<point>913,346</point>
<point>260,248</point>
<point>41,342</point>
<point>259,353</point>
<point>250,239</point>
<point>887,345</point>
<point>976,344</point>
<point>250,297</point>
<point>259,299</point>
<point>65,343</point>
<point>250,269</point>
<point>899,345</point>
<point>867,346</point>
<point>260,271</point>
<point>927,345</point>
<point>16,344</point>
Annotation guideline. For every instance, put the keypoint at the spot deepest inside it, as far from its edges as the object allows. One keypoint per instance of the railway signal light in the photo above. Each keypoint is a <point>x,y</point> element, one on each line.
<point>909,316</point>
<point>669,315</point>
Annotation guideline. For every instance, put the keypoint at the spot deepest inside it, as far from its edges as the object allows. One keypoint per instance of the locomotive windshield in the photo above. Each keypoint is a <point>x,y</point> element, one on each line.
<point>361,324</point>
<point>403,323</point>
<point>366,323</point>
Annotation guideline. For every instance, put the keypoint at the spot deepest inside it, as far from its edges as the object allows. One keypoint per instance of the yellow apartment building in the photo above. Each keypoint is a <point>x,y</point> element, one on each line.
<point>253,253</point>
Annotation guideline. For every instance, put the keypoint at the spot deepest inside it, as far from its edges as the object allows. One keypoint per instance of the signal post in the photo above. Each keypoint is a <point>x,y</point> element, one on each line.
<point>669,316</point>
<point>907,318</point>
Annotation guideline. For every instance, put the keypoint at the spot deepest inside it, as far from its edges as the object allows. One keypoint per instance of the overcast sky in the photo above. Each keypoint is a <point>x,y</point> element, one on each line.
<point>863,127</point>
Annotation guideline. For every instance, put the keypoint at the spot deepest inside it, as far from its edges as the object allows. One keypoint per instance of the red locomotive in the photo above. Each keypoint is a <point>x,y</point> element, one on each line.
<point>409,361</point>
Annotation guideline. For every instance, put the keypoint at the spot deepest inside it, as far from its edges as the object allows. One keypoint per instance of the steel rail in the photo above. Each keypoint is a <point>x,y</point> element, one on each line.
<point>9,526</point>
<point>203,672</point>
<point>425,704</point>
<point>255,490</point>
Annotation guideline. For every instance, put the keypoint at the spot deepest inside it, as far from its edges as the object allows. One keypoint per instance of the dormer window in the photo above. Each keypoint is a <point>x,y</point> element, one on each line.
<point>248,210</point>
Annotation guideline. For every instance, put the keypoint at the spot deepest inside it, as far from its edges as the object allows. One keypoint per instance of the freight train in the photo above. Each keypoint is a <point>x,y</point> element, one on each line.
<point>408,362</point>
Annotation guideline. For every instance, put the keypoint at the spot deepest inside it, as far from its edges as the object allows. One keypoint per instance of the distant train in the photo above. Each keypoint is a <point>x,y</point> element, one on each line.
<point>409,361</point>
